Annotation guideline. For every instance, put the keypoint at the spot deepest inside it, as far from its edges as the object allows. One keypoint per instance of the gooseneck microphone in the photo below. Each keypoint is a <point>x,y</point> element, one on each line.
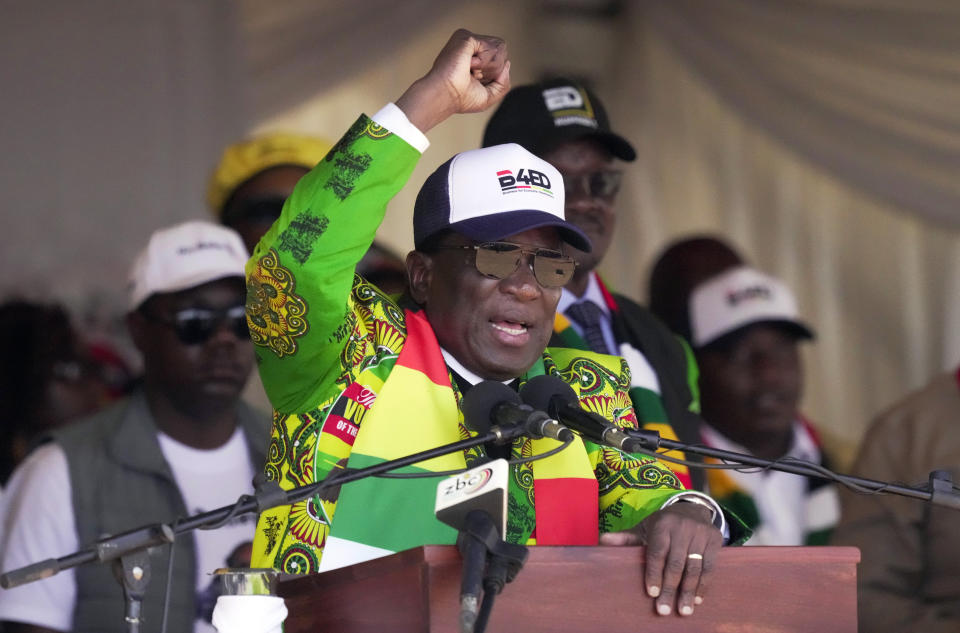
<point>557,398</point>
<point>475,504</point>
<point>490,404</point>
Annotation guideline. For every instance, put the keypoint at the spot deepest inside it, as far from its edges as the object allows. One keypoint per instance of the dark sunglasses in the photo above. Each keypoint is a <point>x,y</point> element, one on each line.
<point>194,326</point>
<point>254,209</point>
<point>499,260</point>
<point>598,184</point>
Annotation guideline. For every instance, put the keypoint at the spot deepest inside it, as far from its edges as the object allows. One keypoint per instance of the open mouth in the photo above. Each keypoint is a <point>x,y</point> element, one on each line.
<point>514,328</point>
<point>771,401</point>
<point>223,371</point>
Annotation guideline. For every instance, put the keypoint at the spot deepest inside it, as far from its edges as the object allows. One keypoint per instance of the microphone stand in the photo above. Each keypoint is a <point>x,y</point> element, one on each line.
<point>939,489</point>
<point>488,561</point>
<point>128,549</point>
<point>559,400</point>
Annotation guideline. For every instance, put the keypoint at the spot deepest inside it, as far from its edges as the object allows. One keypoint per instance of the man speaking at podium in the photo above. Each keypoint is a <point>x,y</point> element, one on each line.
<point>357,377</point>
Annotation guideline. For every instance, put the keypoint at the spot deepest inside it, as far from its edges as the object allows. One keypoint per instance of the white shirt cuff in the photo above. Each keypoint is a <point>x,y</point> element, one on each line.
<point>692,496</point>
<point>393,118</point>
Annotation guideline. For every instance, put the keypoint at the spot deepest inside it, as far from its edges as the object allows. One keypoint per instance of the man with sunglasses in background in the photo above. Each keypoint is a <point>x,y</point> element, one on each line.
<point>182,443</point>
<point>246,192</point>
<point>564,123</point>
<point>357,378</point>
<point>254,176</point>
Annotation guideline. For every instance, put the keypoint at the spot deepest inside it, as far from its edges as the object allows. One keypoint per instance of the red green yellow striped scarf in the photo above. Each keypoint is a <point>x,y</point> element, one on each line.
<point>417,410</point>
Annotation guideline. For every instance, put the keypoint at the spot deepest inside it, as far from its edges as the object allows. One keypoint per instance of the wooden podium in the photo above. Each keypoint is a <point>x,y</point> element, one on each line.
<point>582,589</point>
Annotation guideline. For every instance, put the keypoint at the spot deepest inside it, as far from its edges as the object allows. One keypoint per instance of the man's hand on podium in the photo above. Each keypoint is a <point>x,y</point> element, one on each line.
<point>682,544</point>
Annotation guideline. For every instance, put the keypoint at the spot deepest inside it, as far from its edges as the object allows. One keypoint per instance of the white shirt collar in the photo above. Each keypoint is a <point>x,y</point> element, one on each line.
<point>462,371</point>
<point>802,446</point>
<point>593,293</point>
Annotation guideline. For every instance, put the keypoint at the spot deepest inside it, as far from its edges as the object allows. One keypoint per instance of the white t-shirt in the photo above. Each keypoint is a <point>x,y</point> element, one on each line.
<point>785,508</point>
<point>37,522</point>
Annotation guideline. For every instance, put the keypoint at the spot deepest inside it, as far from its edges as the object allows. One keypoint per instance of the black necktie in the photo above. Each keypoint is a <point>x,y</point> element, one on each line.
<point>494,451</point>
<point>588,315</point>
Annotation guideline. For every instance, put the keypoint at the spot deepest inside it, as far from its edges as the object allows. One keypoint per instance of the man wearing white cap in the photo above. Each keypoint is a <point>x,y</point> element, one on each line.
<point>745,329</point>
<point>357,378</point>
<point>181,444</point>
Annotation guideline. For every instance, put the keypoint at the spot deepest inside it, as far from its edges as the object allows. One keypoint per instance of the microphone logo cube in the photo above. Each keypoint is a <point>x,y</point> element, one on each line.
<point>483,487</point>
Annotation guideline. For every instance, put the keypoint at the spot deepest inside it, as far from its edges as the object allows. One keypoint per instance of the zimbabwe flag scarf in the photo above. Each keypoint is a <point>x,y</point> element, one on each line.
<point>416,408</point>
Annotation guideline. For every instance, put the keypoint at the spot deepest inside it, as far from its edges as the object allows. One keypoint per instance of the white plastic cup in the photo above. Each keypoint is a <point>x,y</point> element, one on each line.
<point>249,614</point>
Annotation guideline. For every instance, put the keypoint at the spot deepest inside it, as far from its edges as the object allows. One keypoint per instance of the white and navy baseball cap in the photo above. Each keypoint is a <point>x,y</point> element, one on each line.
<point>492,193</point>
<point>184,256</point>
<point>738,298</point>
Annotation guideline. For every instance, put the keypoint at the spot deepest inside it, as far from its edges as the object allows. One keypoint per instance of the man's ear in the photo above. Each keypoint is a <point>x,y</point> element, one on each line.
<point>136,326</point>
<point>419,275</point>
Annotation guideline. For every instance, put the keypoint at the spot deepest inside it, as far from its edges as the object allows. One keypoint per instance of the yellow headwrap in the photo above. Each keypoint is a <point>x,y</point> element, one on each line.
<point>241,161</point>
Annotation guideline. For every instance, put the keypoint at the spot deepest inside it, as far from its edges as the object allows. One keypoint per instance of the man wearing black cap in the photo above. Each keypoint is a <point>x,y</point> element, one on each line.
<point>562,122</point>
<point>357,378</point>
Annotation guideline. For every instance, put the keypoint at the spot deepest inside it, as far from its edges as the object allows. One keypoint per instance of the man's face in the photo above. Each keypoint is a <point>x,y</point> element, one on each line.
<point>274,184</point>
<point>497,328</point>
<point>210,370</point>
<point>750,388</point>
<point>581,163</point>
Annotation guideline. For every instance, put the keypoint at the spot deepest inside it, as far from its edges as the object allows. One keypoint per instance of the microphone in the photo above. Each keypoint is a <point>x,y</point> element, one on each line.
<point>550,394</point>
<point>475,503</point>
<point>493,403</point>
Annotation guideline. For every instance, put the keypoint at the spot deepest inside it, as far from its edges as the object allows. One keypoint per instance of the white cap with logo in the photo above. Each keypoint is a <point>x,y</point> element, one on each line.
<point>491,193</point>
<point>185,256</point>
<point>740,297</point>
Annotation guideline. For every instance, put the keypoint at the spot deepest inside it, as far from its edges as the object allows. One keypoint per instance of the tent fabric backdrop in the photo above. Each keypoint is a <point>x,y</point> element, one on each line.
<point>867,90</point>
<point>827,164</point>
<point>294,48</point>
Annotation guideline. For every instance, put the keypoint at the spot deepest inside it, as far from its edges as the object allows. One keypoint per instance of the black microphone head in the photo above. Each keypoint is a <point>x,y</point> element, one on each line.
<point>543,393</point>
<point>480,402</point>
